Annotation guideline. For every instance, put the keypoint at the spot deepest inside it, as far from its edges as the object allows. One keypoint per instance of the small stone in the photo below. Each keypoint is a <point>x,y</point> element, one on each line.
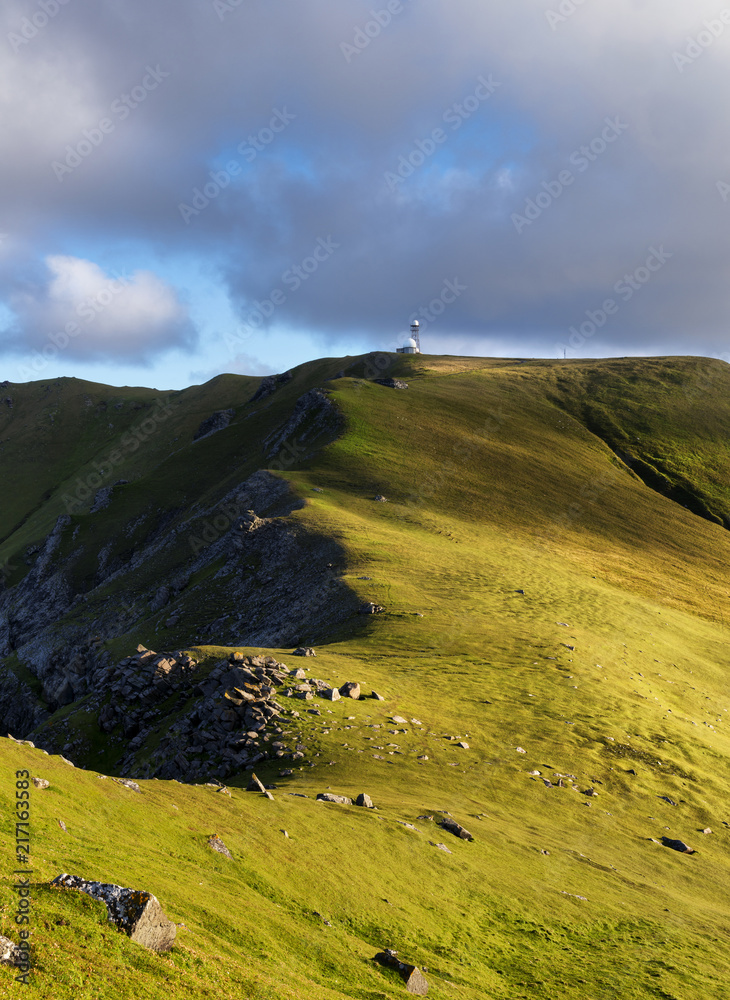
<point>331,694</point>
<point>364,800</point>
<point>62,825</point>
<point>376,697</point>
<point>380,499</point>
<point>463,745</point>
<point>707,830</point>
<point>304,651</point>
<point>41,783</point>
<point>399,720</point>
<point>520,750</point>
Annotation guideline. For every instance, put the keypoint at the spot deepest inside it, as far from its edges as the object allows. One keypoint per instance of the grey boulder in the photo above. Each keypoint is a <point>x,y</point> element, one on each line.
<point>136,913</point>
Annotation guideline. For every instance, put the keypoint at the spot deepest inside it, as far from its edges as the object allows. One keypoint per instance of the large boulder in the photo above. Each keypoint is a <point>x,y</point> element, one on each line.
<point>135,912</point>
<point>458,831</point>
<point>412,976</point>
<point>329,797</point>
<point>677,845</point>
<point>350,690</point>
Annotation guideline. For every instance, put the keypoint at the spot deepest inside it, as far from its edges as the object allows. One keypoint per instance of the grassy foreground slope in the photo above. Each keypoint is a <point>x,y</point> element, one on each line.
<point>544,604</point>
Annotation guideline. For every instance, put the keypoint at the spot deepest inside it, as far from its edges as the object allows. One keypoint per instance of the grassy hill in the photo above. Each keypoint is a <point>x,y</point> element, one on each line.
<point>552,563</point>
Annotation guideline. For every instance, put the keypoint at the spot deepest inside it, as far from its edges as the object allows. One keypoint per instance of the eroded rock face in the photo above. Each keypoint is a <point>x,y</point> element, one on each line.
<point>283,584</point>
<point>218,421</point>
<point>136,913</point>
<point>315,418</point>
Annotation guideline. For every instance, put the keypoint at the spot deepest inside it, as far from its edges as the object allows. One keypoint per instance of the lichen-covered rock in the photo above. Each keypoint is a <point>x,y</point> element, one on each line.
<point>136,913</point>
<point>10,953</point>
<point>216,844</point>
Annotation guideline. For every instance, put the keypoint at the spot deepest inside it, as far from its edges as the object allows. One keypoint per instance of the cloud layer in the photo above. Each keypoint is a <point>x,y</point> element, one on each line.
<point>535,154</point>
<point>88,314</point>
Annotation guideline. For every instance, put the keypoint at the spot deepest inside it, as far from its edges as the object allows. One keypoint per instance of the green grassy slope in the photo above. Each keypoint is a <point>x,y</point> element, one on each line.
<point>610,669</point>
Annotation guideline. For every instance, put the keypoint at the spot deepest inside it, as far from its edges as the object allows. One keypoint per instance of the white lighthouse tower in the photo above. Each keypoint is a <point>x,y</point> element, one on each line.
<point>414,344</point>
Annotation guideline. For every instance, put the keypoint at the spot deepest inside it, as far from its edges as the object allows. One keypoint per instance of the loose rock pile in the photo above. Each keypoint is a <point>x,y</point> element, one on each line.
<point>139,683</point>
<point>233,721</point>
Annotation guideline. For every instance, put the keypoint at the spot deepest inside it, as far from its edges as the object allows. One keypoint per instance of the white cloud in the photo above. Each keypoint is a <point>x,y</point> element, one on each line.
<point>91,314</point>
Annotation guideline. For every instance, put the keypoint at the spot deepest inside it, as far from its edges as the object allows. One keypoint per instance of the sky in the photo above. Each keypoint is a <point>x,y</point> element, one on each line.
<point>190,187</point>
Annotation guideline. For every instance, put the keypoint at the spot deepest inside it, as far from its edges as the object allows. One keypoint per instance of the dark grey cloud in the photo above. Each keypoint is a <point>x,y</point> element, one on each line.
<point>604,129</point>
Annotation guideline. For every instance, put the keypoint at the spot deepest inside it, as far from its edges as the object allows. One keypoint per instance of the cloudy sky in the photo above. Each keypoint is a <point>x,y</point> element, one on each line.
<point>197,186</point>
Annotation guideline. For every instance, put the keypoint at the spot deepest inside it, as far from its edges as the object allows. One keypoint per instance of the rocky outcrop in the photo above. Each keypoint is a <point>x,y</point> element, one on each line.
<point>282,587</point>
<point>229,722</point>
<point>391,383</point>
<point>218,421</point>
<point>20,710</point>
<point>136,913</point>
<point>270,384</point>
<point>315,418</point>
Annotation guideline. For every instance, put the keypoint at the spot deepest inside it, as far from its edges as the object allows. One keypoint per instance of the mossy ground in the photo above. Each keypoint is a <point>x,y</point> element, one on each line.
<point>613,659</point>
